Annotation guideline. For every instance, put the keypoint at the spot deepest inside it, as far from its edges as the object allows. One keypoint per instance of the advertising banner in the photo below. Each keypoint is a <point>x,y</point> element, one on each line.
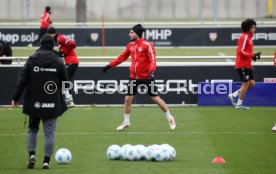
<point>263,94</point>
<point>176,84</point>
<point>160,36</point>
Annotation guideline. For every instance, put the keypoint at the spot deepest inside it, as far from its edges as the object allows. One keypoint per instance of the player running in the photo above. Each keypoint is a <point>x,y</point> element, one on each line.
<point>244,57</point>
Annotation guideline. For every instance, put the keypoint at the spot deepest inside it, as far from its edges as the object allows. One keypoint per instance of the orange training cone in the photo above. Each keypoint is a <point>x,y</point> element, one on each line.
<point>218,160</point>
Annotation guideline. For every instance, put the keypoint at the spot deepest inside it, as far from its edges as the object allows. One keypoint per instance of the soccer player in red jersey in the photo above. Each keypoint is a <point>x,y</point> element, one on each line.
<point>66,50</point>
<point>143,66</point>
<point>45,21</point>
<point>243,65</point>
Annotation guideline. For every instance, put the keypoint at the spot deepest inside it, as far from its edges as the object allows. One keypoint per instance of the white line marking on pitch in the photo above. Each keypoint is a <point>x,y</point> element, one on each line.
<point>147,133</point>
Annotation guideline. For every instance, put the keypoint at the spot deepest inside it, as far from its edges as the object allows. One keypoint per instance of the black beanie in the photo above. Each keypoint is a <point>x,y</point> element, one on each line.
<point>47,42</point>
<point>47,8</point>
<point>52,30</point>
<point>138,29</point>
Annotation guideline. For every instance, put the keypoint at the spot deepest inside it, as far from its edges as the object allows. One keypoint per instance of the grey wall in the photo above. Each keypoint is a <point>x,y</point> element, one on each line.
<point>137,9</point>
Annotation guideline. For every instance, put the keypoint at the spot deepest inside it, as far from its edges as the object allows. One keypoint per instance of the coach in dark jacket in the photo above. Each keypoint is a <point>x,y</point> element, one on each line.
<point>42,78</point>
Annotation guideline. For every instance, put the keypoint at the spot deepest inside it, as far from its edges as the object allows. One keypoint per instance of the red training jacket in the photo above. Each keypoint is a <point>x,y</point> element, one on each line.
<point>67,47</point>
<point>143,58</point>
<point>45,20</point>
<point>244,52</point>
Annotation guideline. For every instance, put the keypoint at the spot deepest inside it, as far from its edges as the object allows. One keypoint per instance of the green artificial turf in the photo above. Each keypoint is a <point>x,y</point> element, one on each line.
<point>242,137</point>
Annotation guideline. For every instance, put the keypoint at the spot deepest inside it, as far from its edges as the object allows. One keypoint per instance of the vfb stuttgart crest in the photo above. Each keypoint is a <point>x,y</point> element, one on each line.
<point>140,49</point>
<point>213,36</point>
<point>94,36</point>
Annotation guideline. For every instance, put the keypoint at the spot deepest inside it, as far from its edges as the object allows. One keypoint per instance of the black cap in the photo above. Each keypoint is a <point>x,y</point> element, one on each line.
<point>47,41</point>
<point>52,30</point>
<point>138,29</point>
<point>47,8</point>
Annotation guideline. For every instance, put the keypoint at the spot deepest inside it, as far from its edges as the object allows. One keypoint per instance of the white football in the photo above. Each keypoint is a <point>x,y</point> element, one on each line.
<point>124,151</point>
<point>154,146</point>
<point>162,154</point>
<point>171,149</point>
<point>132,153</point>
<point>114,152</point>
<point>63,156</point>
<point>142,151</point>
<point>150,153</point>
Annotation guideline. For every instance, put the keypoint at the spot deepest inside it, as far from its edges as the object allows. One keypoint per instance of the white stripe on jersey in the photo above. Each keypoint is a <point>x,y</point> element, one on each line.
<point>244,42</point>
<point>150,49</point>
<point>46,17</point>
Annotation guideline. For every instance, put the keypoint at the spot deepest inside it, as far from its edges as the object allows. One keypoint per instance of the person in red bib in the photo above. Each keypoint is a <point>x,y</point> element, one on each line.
<point>66,50</point>
<point>45,22</point>
<point>243,65</point>
<point>143,66</point>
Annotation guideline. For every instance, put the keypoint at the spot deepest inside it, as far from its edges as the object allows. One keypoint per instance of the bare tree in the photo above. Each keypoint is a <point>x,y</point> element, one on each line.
<point>81,10</point>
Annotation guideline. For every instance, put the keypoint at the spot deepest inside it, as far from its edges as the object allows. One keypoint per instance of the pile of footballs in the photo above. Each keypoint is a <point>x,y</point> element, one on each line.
<point>164,152</point>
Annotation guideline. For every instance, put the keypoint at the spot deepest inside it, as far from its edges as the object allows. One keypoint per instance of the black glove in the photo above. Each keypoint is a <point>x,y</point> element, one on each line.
<point>59,53</point>
<point>257,56</point>
<point>151,75</point>
<point>107,67</point>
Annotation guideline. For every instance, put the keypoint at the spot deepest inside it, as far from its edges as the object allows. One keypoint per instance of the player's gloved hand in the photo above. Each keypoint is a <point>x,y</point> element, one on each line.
<point>59,53</point>
<point>257,56</point>
<point>107,67</point>
<point>151,75</point>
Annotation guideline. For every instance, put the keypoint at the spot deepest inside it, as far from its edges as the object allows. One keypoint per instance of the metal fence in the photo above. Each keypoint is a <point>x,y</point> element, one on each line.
<point>26,10</point>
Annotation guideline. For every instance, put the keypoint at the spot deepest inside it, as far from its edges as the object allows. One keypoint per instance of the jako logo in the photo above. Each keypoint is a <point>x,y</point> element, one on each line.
<point>38,105</point>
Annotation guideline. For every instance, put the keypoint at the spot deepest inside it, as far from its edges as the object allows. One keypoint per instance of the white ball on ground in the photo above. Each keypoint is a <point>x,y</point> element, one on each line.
<point>154,146</point>
<point>63,156</point>
<point>114,152</point>
<point>142,151</point>
<point>162,154</point>
<point>274,128</point>
<point>171,150</point>
<point>150,153</point>
<point>124,150</point>
<point>132,153</point>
